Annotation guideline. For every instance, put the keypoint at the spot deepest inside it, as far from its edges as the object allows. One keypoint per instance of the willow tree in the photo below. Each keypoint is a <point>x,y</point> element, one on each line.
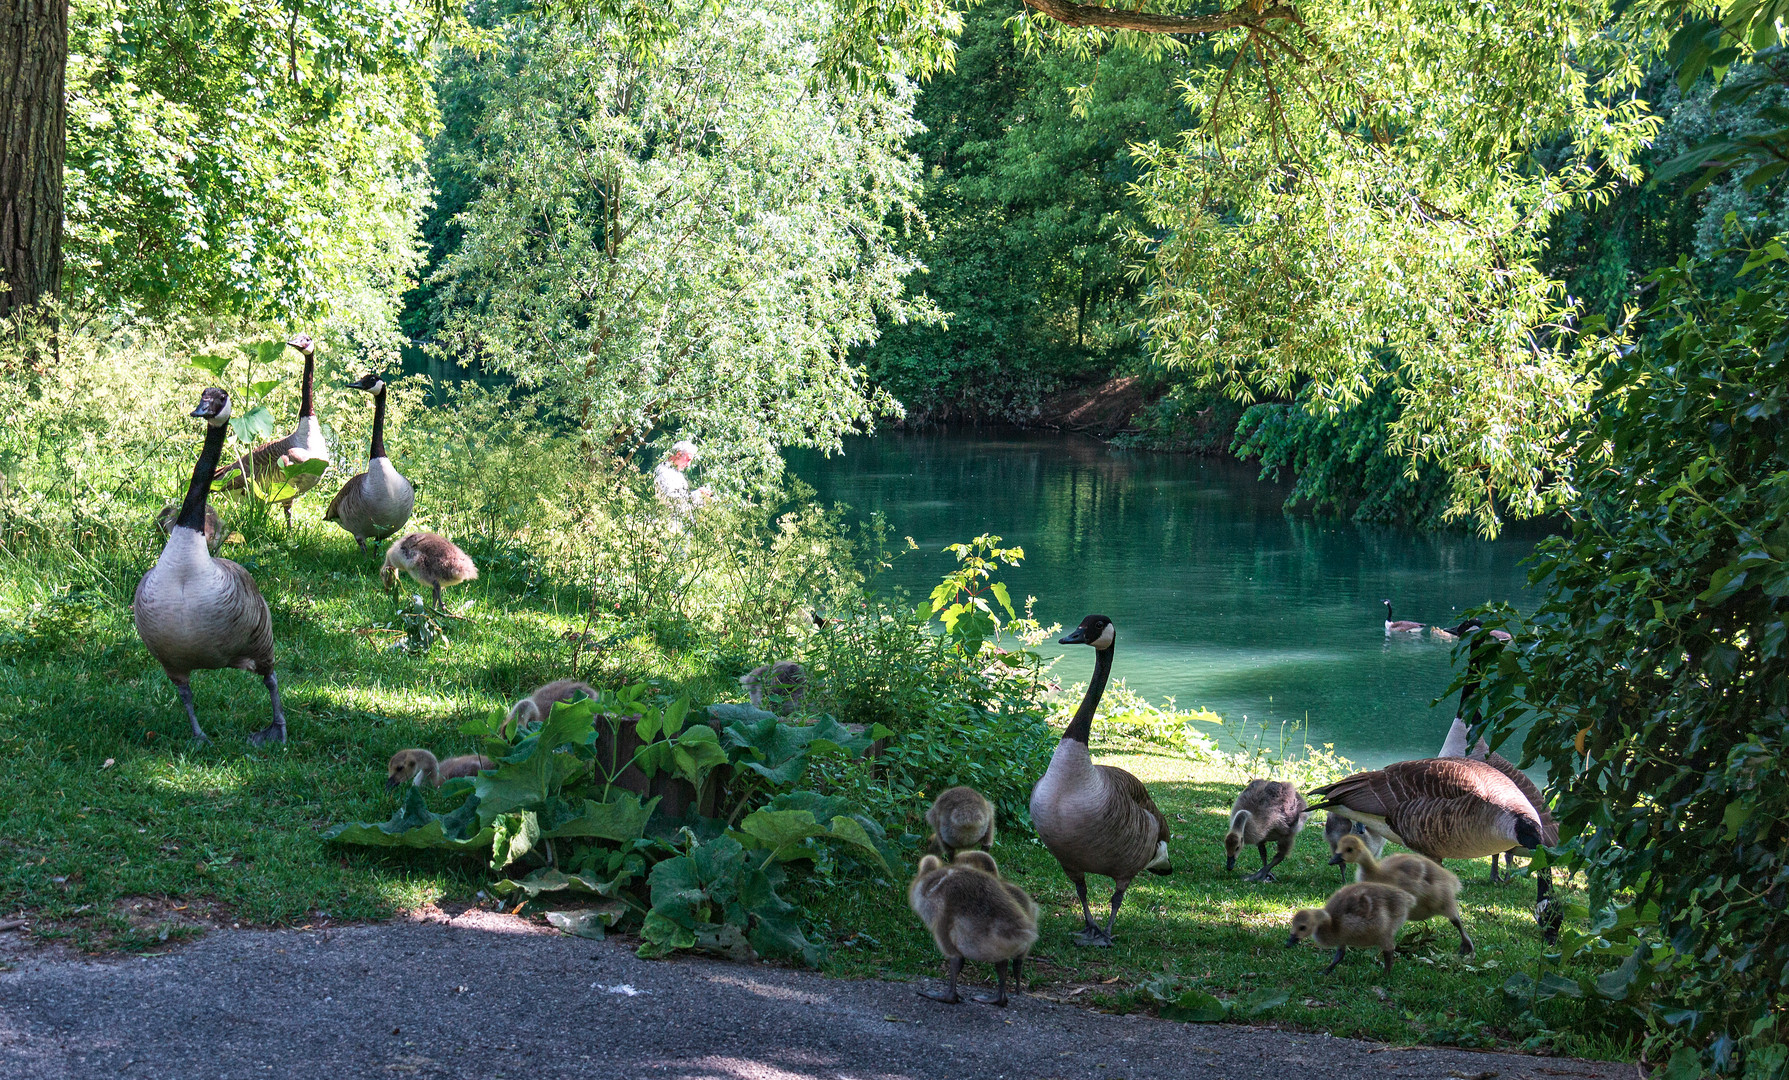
<point>1359,203</point>
<point>689,238</point>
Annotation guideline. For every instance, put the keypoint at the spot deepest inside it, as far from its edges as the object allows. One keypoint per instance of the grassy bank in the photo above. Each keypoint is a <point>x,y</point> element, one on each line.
<point>1215,931</point>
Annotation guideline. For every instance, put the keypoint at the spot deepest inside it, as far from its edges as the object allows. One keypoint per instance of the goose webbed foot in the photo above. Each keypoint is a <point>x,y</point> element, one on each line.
<point>949,998</point>
<point>953,967</point>
<point>1095,937</point>
<point>998,998</point>
<point>272,733</point>
<point>1261,876</point>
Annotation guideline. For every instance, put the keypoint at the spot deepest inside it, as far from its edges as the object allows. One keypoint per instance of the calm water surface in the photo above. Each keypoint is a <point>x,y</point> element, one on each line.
<point>1222,600</point>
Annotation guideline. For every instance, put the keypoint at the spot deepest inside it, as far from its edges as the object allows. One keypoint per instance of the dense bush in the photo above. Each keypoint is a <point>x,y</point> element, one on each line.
<point>1657,673</point>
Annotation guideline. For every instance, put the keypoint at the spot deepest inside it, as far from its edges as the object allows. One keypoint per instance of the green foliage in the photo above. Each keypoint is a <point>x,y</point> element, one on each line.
<point>1183,999</point>
<point>1025,161</point>
<point>685,241</point>
<point>1340,462</point>
<point>1656,666</point>
<point>242,161</point>
<point>1127,723</point>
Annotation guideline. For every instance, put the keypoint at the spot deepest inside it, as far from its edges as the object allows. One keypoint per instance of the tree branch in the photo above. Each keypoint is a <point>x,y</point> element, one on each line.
<point>1249,14</point>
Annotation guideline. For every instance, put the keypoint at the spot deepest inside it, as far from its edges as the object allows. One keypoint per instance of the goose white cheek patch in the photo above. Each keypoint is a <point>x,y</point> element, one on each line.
<point>1107,636</point>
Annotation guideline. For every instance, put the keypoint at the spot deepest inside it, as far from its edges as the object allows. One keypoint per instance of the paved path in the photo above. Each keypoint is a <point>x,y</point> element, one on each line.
<point>483,997</point>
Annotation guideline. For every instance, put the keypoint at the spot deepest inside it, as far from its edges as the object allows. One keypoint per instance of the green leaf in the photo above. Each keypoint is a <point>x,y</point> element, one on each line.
<point>661,935</point>
<point>1260,1002</point>
<point>526,778</point>
<point>782,831</point>
<point>312,467</point>
<point>1198,1006</point>
<point>259,390</point>
<point>514,837</point>
<point>416,826</point>
<point>551,879</point>
<point>252,427</point>
<point>587,922</point>
<point>622,817</point>
<point>213,363</point>
<point>851,831</point>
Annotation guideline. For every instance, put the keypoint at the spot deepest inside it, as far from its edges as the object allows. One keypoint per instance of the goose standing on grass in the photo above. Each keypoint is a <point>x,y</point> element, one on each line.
<point>1265,810</point>
<point>430,558</point>
<point>1445,808</point>
<point>1097,819</point>
<point>306,443</point>
<point>199,613</point>
<point>374,504</point>
<point>1399,626</point>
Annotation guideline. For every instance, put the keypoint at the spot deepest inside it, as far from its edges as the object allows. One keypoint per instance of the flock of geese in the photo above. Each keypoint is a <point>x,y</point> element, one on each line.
<point>197,612</point>
<point>1100,820</point>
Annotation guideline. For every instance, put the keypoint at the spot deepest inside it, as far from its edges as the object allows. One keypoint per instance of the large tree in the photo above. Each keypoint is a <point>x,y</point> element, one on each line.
<point>33,120</point>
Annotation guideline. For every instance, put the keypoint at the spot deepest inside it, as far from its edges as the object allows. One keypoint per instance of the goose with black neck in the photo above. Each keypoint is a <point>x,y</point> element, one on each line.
<point>377,503</point>
<point>306,443</point>
<point>200,613</point>
<point>1097,819</point>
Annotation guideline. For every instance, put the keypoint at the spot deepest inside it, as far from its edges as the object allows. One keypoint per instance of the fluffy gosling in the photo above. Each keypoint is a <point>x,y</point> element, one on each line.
<point>1362,915</point>
<point>1434,888</point>
<point>972,915</point>
<point>430,558</point>
<point>420,767</point>
<point>960,817</point>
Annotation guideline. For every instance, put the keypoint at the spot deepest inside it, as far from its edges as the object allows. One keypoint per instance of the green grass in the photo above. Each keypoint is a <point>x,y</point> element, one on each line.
<point>1211,926</point>
<point>107,798</point>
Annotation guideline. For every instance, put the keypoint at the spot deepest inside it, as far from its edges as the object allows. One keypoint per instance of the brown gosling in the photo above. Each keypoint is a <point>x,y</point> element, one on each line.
<point>1265,810</point>
<point>214,525</point>
<point>981,860</point>
<point>973,915</point>
<point>1362,915</point>
<point>539,705</point>
<point>960,818</point>
<point>784,683</point>
<point>1434,887</point>
<point>430,558</point>
<point>419,767</point>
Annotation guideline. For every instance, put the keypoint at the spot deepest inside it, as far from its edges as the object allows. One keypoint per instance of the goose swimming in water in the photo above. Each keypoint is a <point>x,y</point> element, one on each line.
<point>1097,819</point>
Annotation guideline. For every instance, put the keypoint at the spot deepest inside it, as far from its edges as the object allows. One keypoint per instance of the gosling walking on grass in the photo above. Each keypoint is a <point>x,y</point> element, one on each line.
<point>1434,888</point>
<point>1265,810</point>
<point>973,915</point>
<point>420,767</point>
<point>431,559</point>
<point>1362,916</point>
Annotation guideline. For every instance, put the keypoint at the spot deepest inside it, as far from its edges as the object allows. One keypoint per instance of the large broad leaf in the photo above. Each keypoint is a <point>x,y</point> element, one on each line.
<point>253,426</point>
<point>513,836</point>
<point>212,363</point>
<point>831,807</point>
<point>551,879</point>
<point>526,778</point>
<point>778,751</point>
<point>728,714</point>
<point>621,817</point>
<point>587,922</point>
<point>684,889</point>
<point>776,925</point>
<point>784,833</point>
<point>416,826</point>
<point>661,936</point>
<point>1198,1006</point>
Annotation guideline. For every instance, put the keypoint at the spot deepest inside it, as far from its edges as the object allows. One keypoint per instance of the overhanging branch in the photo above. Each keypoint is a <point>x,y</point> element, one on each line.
<point>1148,22</point>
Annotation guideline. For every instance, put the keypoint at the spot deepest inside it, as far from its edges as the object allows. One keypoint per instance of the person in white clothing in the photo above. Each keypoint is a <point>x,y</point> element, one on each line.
<point>674,487</point>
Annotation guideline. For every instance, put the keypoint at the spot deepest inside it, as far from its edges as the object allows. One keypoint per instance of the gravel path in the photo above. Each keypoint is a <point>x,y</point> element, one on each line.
<point>485,997</point>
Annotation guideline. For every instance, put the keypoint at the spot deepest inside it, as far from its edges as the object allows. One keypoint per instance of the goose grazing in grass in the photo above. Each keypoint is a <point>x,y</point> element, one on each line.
<point>1363,915</point>
<point>1434,887</point>
<point>1097,819</point>
<point>960,817</point>
<point>214,525</point>
<point>1445,808</point>
<point>1265,810</point>
<point>306,443</point>
<point>374,504</point>
<point>420,767</point>
<point>431,559</point>
<point>973,915</point>
<point>200,613</point>
<point>1399,626</point>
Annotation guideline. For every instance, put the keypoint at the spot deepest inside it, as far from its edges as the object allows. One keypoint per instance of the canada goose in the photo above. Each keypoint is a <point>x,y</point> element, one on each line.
<point>960,818</point>
<point>306,443</point>
<point>376,503</point>
<point>539,705</point>
<point>783,682</point>
<point>1361,915</point>
<point>1096,819</point>
<point>1445,808</point>
<point>199,613</point>
<point>1467,627</point>
<point>419,767</point>
<point>1455,746</point>
<point>430,558</point>
<point>1265,810</point>
<point>1434,887</point>
<point>972,915</point>
<point>214,525</point>
<point>1399,626</point>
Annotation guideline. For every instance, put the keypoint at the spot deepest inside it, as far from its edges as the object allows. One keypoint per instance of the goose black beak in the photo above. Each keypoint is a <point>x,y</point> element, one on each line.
<point>1292,942</point>
<point>1336,859</point>
<point>391,783</point>
<point>1229,863</point>
<point>1074,637</point>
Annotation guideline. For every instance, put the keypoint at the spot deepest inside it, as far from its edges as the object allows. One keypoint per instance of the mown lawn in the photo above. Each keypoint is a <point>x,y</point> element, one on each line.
<point>1230,936</point>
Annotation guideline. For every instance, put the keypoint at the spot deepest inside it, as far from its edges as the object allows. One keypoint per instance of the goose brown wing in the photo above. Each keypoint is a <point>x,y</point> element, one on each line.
<point>262,459</point>
<point>1365,792</point>
<point>348,494</point>
<point>1549,827</point>
<point>1133,791</point>
<point>246,618</point>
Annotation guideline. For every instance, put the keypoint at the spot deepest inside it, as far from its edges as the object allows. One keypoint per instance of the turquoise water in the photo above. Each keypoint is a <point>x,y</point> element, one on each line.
<point>1221,599</point>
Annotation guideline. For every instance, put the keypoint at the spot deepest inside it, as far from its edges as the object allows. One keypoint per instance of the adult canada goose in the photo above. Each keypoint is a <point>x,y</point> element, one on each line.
<point>1096,819</point>
<point>430,558</point>
<point>539,705</point>
<point>199,613</point>
<point>782,683</point>
<point>1468,627</point>
<point>214,525</point>
<point>1399,626</point>
<point>419,767</point>
<point>960,817</point>
<point>972,915</point>
<point>374,504</point>
<point>1363,915</point>
<point>1434,887</point>
<point>306,443</point>
<point>1265,810</point>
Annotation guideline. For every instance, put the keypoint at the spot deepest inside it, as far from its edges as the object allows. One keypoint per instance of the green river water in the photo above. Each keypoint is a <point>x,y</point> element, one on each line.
<point>1222,600</point>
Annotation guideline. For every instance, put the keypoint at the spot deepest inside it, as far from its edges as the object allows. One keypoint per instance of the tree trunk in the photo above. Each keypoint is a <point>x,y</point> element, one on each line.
<point>33,144</point>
